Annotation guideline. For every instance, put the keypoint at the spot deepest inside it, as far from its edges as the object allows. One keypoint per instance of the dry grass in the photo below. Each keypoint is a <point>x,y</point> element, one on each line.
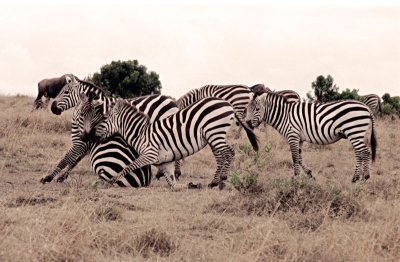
<point>272,217</point>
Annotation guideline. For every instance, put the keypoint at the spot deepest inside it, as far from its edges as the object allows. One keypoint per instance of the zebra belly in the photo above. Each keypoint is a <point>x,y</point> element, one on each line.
<point>320,138</point>
<point>111,156</point>
<point>177,153</point>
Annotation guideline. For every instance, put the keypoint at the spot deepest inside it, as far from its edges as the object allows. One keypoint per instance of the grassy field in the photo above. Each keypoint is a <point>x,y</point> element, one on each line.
<point>269,218</point>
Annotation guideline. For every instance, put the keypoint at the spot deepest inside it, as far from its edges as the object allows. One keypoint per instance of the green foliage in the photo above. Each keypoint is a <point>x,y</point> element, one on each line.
<point>348,94</point>
<point>324,89</point>
<point>245,177</point>
<point>245,148</point>
<point>390,105</point>
<point>127,79</point>
<point>248,182</point>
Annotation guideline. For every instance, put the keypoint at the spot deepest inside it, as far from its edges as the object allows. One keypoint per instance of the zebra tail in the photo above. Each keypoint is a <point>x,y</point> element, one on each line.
<point>374,142</point>
<point>250,134</point>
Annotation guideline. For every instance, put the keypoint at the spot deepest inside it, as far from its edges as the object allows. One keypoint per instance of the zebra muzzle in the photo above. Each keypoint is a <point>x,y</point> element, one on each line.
<point>54,108</point>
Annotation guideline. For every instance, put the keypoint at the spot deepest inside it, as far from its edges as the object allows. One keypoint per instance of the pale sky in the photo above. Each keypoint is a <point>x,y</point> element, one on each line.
<point>191,45</point>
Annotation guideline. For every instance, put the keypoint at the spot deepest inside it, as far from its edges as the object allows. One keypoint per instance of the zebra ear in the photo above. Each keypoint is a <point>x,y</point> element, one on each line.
<point>258,89</point>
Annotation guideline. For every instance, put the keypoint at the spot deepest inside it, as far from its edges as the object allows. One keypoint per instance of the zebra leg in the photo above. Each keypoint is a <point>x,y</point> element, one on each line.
<point>177,172</point>
<point>228,154</point>
<point>359,150</point>
<point>71,159</point>
<point>366,160</point>
<point>220,164</point>
<point>302,164</point>
<point>147,158</point>
<point>168,169</point>
<point>294,148</point>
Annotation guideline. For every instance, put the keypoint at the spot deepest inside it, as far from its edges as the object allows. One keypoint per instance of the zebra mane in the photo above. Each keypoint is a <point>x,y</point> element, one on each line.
<point>93,86</point>
<point>271,93</point>
<point>125,103</point>
<point>183,99</point>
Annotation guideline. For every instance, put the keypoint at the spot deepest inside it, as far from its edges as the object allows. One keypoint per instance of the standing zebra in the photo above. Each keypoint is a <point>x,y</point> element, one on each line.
<point>373,101</point>
<point>319,124</point>
<point>175,137</point>
<point>109,157</point>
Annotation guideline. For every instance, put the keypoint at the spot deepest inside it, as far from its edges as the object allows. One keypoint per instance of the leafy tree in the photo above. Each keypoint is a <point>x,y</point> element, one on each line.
<point>127,79</point>
<point>391,104</point>
<point>324,89</point>
<point>348,94</point>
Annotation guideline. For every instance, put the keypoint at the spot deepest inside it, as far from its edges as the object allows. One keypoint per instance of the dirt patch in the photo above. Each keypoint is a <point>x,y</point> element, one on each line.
<point>31,201</point>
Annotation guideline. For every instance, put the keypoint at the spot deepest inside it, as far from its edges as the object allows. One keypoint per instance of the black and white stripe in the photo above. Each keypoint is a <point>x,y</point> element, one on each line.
<point>175,137</point>
<point>111,156</point>
<point>319,124</point>
<point>373,101</point>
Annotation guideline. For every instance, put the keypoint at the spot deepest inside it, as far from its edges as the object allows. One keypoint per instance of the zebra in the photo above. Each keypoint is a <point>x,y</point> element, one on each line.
<point>237,95</point>
<point>110,156</point>
<point>319,124</point>
<point>373,101</point>
<point>175,137</point>
<point>290,95</point>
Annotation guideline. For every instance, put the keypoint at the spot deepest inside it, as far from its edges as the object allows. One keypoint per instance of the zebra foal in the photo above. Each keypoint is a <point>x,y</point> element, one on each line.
<point>319,124</point>
<point>164,141</point>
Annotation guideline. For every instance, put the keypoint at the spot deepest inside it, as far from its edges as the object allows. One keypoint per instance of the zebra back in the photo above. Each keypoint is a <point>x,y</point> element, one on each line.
<point>373,101</point>
<point>237,95</point>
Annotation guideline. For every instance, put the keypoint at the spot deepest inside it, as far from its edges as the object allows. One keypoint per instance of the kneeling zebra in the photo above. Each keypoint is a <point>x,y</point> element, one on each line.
<point>319,124</point>
<point>162,142</point>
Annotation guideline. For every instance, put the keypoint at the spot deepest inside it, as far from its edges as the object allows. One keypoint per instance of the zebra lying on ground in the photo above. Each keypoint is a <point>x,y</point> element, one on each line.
<point>319,124</point>
<point>373,101</point>
<point>112,155</point>
<point>175,137</point>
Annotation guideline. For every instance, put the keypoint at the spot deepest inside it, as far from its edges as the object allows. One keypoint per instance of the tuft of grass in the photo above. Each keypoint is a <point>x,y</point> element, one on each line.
<point>301,201</point>
<point>155,241</point>
<point>106,213</point>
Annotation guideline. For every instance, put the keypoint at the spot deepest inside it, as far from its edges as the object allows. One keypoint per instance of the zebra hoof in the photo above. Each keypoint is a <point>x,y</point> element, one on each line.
<point>355,179</point>
<point>177,174</point>
<point>159,175</point>
<point>213,184</point>
<point>60,179</point>
<point>46,179</point>
<point>192,185</point>
<point>221,185</point>
<point>365,178</point>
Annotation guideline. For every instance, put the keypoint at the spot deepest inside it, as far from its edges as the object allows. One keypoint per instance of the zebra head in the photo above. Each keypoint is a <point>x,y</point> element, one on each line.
<point>68,97</point>
<point>110,124</point>
<point>254,111</point>
<point>89,114</point>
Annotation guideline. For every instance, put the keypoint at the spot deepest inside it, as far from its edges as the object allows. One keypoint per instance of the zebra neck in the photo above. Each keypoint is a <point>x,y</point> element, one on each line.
<point>135,131</point>
<point>277,115</point>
